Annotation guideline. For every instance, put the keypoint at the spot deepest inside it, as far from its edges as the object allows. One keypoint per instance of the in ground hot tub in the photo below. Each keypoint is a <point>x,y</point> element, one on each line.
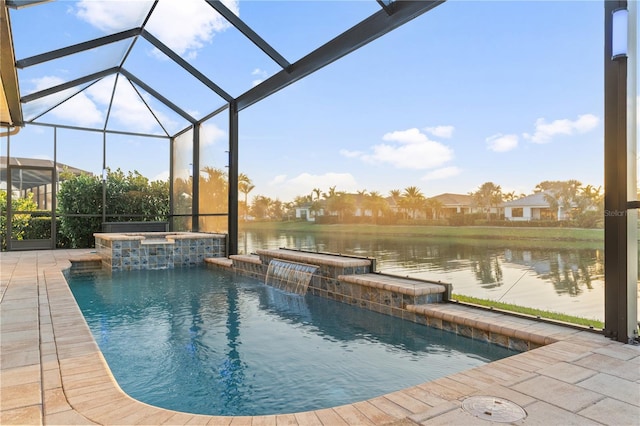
<point>157,250</point>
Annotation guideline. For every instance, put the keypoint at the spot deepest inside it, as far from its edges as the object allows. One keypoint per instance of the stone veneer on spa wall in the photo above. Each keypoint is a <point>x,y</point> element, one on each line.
<point>157,250</point>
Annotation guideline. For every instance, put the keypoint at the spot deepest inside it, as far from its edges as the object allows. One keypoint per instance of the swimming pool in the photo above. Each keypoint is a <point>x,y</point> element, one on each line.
<point>199,341</point>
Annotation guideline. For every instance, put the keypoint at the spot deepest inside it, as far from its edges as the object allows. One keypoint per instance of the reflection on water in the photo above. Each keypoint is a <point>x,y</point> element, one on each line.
<point>569,280</point>
<point>190,340</point>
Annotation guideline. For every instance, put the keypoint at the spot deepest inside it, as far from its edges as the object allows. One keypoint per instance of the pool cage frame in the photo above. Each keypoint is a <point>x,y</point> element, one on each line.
<point>619,138</point>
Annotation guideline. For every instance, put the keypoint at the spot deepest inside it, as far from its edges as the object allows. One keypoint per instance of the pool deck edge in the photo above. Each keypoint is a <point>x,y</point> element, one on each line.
<point>52,371</point>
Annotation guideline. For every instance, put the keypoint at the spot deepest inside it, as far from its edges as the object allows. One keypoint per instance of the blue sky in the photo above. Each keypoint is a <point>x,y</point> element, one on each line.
<point>472,91</point>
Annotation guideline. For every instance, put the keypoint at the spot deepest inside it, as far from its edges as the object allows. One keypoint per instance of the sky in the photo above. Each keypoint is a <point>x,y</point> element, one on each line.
<point>509,92</point>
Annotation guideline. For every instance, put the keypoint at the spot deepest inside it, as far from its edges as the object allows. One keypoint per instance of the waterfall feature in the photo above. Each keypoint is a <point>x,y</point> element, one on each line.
<point>288,276</point>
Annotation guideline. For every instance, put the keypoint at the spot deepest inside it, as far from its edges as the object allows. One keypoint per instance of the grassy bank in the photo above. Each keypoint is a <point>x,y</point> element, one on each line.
<point>589,236</point>
<point>531,312</point>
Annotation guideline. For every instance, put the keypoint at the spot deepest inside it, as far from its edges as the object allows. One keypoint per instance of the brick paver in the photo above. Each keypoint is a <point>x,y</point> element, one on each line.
<point>52,371</point>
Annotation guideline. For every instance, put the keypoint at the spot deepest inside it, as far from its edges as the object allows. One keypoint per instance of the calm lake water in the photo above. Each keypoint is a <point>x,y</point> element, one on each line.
<point>557,279</point>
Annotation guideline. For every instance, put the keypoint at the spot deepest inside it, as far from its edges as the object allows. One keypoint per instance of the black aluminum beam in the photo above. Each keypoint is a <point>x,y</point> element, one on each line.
<point>214,113</point>
<point>377,25</point>
<point>68,85</point>
<point>158,96</point>
<point>232,218</point>
<point>76,48</point>
<point>186,66</point>
<point>249,33</point>
<point>195,182</point>
<point>387,6</point>
<point>616,315</point>
<point>89,129</point>
<point>146,104</point>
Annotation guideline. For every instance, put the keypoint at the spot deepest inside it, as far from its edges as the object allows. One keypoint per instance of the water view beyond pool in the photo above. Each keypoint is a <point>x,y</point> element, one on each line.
<point>566,278</point>
<point>211,342</point>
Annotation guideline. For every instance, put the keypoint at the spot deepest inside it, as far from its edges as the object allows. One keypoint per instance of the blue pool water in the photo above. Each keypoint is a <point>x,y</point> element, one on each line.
<point>215,343</point>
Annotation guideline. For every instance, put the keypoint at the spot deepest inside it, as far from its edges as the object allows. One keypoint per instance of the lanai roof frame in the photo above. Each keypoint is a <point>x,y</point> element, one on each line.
<point>391,14</point>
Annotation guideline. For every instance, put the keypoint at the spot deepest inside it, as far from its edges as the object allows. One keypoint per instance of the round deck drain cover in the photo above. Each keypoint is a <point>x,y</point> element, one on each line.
<point>494,409</point>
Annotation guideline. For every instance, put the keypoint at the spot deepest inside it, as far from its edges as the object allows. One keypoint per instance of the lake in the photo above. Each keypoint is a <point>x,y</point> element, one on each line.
<point>559,279</point>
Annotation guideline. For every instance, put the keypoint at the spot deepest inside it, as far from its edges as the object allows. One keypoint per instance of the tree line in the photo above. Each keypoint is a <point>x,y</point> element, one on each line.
<point>582,204</point>
<point>130,196</point>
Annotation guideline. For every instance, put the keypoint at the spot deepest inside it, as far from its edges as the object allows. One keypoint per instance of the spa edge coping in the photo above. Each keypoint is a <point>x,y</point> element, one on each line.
<point>310,257</point>
<point>169,236</point>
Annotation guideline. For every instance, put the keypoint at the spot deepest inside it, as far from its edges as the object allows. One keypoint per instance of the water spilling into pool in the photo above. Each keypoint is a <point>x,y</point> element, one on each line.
<point>290,276</point>
<point>194,340</point>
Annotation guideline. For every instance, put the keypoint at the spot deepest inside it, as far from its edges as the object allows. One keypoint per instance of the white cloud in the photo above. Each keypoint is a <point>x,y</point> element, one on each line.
<point>163,176</point>
<point>127,110</point>
<point>210,134</point>
<point>350,154</point>
<point>262,74</point>
<point>544,131</point>
<point>110,16</point>
<point>79,109</point>
<point>278,180</point>
<point>502,143</point>
<point>288,188</point>
<point>168,23</point>
<point>410,149</point>
<point>88,107</point>
<point>443,173</point>
<point>440,131</point>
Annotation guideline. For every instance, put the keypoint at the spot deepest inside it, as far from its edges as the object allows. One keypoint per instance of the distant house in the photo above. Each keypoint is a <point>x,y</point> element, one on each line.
<point>306,212</point>
<point>531,207</point>
<point>452,204</point>
<point>456,204</point>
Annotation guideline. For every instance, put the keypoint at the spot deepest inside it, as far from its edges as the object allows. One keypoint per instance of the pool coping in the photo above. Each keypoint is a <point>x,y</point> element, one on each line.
<point>570,377</point>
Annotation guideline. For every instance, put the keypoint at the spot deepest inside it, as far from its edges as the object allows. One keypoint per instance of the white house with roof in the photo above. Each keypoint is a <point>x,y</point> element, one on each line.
<point>532,207</point>
<point>306,211</point>
<point>454,204</point>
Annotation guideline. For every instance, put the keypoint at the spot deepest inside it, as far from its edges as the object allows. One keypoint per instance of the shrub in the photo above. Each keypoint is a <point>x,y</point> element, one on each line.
<point>129,197</point>
<point>20,221</point>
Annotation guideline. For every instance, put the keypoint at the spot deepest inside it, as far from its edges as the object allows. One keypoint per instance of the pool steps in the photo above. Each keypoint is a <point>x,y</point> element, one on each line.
<point>85,263</point>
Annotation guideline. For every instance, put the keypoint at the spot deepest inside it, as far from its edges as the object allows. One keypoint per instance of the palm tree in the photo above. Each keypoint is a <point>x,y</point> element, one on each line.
<point>214,185</point>
<point>562,196</point>
<point>592,193</point>
<point>435,206</point>
<point>330,196</point>
<point>509,196</point>
<point>395,196</point>
<point>262,206</point>
<point>245,186</point>
<point>412,199</point>
<point>375,202</point>
<point>487,196</point>
<point>342,203</point>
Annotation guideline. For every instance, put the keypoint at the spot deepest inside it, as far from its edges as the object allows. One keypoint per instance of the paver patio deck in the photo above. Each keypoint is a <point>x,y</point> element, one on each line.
<point>52,371</point>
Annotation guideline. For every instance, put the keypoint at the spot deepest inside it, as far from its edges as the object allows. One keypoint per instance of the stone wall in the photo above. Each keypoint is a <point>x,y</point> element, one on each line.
<point>157,250</point>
